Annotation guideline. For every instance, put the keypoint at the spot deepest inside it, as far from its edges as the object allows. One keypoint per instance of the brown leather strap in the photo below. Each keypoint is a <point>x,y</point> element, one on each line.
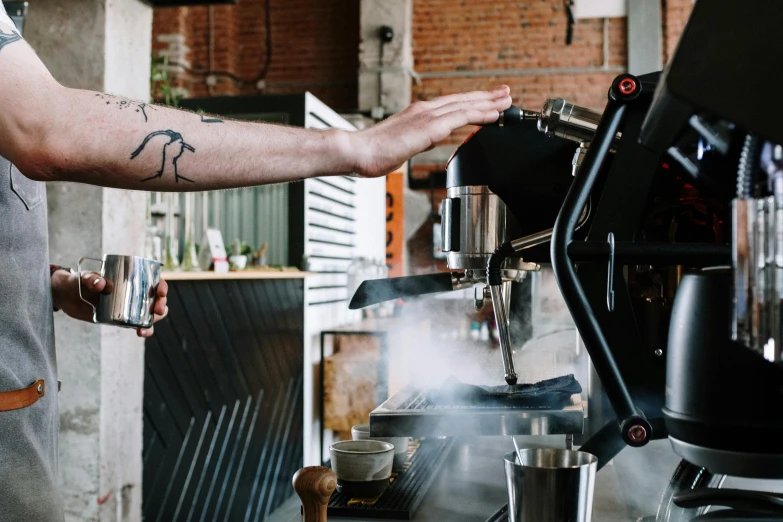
<point>17,399</point>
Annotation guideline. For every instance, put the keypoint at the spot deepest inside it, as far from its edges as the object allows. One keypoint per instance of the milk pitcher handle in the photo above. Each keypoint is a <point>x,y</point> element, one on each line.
<point>79,270</point>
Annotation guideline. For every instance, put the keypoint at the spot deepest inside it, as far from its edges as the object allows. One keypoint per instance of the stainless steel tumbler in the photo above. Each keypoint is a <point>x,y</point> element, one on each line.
<point>550,485</point>
<point>134,285</point>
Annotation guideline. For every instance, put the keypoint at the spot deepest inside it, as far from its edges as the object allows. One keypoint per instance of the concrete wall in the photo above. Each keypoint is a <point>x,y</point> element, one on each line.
<point>101,45</point>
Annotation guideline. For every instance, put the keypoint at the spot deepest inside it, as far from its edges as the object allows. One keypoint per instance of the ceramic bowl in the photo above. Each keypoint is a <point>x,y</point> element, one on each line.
<point>363,467</point>
<point>362,432</point>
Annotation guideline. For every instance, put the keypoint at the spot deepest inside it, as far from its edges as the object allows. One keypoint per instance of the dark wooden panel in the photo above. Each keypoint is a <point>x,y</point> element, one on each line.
<point>223,401</point>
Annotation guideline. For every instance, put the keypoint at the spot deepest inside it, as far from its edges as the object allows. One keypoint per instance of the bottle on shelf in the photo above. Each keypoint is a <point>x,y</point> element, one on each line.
<point>484,332</point>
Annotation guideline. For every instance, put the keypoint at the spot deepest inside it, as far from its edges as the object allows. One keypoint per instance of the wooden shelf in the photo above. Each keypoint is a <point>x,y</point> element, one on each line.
<point>244,274</point>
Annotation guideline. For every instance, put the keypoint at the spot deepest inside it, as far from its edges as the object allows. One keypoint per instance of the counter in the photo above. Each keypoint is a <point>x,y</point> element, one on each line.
<point>470,487</point>
<point>208,275</point>
<point>223,396</point>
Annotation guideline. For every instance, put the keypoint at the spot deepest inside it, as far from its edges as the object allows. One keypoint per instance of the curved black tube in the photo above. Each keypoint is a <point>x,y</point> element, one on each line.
<point>573,293</point>
<point>744,500</point>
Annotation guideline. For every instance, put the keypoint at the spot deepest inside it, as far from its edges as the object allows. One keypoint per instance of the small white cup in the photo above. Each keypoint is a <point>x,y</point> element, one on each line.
<point>362,432</point>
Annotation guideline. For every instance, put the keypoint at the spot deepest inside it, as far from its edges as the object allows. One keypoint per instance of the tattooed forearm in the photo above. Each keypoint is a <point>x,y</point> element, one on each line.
<point>207,119</point>
<point>8,39</point>
<point>122,103</point>
<point>172,150</point>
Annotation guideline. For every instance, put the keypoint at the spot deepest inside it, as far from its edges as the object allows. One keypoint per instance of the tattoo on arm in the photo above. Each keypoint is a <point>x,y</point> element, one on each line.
<point>171,151</point>
<point>122,103</point>
<point>207,119</point>
<point>7,39</point>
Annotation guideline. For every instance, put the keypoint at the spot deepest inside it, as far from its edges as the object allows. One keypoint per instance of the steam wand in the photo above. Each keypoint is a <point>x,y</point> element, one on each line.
<point>495,283</point>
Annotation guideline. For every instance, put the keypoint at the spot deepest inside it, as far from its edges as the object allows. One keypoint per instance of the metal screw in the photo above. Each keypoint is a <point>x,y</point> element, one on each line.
<point>637,433</point>
<point>658,352</point>
<point>40,389</point>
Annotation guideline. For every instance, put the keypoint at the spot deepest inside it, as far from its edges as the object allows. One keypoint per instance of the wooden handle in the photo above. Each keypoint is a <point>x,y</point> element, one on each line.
<point>314,485</point>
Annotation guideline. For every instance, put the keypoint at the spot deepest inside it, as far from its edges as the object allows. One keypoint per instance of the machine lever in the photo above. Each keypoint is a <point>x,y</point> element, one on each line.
<point>610,274</point>
<point>376,291</point>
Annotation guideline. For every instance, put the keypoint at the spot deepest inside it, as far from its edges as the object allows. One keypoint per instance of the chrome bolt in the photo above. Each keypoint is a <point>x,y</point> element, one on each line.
<point>658,352</point>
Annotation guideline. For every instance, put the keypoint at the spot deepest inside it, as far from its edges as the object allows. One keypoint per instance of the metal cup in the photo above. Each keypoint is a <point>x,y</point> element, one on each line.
<point>550,485</point>
<point>134,284</point>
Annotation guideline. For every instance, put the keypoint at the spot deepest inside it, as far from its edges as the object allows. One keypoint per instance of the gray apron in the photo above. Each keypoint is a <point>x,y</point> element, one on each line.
<point>28,436</point>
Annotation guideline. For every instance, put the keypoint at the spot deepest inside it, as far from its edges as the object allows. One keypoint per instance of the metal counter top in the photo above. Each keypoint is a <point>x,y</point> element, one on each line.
<point>471,485</point>
<point>408,414</point>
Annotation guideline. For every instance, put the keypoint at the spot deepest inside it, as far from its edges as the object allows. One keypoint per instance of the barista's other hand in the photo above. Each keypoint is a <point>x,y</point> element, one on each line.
<point>161,310</point>
<point>383,148</point>
<point>65,296</point>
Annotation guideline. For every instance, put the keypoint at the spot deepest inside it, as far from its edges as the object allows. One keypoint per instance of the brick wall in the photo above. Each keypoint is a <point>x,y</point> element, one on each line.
<point>314,48</point>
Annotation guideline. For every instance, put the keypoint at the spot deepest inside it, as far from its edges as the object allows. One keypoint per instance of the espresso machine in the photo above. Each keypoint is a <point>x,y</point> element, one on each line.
<point>662,218</point>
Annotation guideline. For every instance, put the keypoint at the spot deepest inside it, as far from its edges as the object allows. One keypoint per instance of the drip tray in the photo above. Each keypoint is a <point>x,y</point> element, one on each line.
<point>410,414</point>
<point>407,490</point>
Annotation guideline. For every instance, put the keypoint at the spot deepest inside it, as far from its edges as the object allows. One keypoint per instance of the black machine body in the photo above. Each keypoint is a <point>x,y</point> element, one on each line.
<point>722,399</point>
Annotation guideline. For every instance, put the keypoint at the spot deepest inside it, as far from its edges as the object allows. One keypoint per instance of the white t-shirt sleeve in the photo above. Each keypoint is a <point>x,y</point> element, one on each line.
<point>4,18</point>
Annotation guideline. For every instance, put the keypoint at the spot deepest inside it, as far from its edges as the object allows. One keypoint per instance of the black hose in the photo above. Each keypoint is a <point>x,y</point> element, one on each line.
<point>747,166</point>
<point>495,263</point>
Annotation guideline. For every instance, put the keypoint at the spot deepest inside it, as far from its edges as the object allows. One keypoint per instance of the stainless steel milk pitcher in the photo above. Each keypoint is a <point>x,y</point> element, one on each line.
<point>134,284</point>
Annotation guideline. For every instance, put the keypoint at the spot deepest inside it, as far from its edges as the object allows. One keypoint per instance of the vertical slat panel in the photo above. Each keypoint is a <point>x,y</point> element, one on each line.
<point>223,400</point>
<point>255,215</point>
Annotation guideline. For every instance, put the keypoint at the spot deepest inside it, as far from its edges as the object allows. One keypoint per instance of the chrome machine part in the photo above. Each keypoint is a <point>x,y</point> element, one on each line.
<point>474,225</point>
<point>569,121</point>
<point>757,259</point>
<point>409,413</point>
<point>686,477</point>
<point>532,240</point>
<point>501,317</point>
<point>579,155</point>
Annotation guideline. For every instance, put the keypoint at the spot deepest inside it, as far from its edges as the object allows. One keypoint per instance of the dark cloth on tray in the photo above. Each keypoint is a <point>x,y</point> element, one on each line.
<point>547,394</point>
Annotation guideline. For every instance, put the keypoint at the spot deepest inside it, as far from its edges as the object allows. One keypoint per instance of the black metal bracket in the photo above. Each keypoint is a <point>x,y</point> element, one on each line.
<point>635,429</point>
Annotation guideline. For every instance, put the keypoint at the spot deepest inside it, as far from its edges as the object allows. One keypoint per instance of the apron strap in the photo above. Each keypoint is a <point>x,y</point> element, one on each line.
<point>17,399</point>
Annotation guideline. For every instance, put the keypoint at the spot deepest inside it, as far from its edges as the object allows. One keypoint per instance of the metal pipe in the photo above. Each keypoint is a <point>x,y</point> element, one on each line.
<point>629,253</point>
<point>565,274</point>
<point>505,339</point>
<point>532,240</point>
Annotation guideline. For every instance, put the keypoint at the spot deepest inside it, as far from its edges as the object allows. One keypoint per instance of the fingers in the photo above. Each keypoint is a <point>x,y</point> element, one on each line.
<point>497,104</point>
<point>92,286</point>
<point>498,92</point>
<point>455,120</point>
<point>145,333</point>
<point>160,308</point>
<point>163,288</point>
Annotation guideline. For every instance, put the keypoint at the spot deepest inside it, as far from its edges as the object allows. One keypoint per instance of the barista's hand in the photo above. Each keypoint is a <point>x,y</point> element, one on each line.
<point>383,148</point>
<point>65,296</point>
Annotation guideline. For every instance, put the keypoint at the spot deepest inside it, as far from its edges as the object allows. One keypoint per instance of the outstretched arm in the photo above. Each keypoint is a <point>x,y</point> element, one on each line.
<point>52,133</point>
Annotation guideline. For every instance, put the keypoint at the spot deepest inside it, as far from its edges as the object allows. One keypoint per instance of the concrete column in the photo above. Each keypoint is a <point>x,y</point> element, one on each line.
<point>385,78</point>
<point>102,45</point>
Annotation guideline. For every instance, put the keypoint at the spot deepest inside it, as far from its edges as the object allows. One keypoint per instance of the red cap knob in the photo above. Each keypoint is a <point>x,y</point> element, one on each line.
<point>627,86</point>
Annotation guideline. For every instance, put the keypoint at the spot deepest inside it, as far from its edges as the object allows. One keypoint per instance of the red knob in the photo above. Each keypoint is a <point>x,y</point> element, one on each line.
<point>627,86</point>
